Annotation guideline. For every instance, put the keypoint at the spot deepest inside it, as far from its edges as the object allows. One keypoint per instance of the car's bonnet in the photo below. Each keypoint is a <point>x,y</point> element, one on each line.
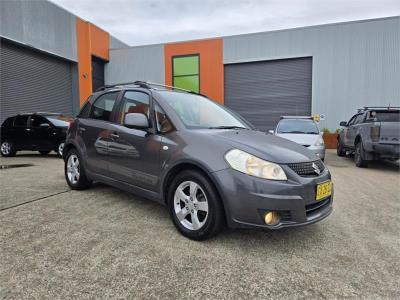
<point>265,146</point>
<point>302,139</point>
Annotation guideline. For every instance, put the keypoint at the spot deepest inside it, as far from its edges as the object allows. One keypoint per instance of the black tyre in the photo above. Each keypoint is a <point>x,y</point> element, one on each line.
<point>75,171</point>
<point>340,149</point>
<point>194,206</point>
<point>359,156</point>
<point>60,148</point>
<point>7,149</point>
<point>44,152</point>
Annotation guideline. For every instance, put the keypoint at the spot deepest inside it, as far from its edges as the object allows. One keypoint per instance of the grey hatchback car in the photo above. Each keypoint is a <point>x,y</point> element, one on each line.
<point>207,164</point>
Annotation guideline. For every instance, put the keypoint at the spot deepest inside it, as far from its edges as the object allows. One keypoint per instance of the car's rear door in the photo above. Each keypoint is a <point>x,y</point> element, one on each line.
<point>20,133</point>
<point>95,132</point>
<point>353,129</point>
<point>347,131</point>
<point>134,153</point>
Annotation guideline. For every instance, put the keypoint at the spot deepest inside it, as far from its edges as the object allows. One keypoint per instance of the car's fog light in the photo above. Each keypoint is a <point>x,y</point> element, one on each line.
<point>271,218</point>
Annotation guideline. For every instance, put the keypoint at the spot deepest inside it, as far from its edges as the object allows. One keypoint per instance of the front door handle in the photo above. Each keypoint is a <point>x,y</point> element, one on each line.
<point>28,129</point>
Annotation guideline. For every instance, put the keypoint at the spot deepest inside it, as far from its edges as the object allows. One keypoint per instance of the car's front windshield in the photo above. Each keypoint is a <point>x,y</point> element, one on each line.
<point>198,112</point>
<point>297,126</point>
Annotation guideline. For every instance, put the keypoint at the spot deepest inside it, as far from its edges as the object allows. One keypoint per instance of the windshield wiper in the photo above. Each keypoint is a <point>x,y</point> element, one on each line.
<point>227,127</point>
<point>292,131</point>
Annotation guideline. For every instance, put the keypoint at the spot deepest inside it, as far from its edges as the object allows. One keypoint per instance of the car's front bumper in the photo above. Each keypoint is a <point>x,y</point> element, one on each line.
<point>247,199</point>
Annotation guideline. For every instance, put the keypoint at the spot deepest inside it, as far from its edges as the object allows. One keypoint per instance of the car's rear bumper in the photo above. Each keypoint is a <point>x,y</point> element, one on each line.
<point>387,150</point>
<point>247,199</point>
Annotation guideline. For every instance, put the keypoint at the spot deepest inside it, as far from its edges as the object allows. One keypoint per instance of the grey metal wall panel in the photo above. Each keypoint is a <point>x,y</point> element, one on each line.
<point>40,24</point>
<point>354,64</point>
<point>263,91</point>
<point>116,43</point>
<point>136,63</point>
<point>33,81</point>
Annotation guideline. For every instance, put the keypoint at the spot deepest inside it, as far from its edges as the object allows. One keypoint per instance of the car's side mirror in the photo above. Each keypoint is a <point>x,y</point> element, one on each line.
<point>45,125</point>
<point>343,123</point>
<point>270,131</point>
<point>135,120</point>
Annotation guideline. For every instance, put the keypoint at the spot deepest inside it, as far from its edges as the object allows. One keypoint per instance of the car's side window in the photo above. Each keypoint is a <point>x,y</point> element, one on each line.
<point>134,102</point>
<point>164,125</point>
<point>21,121</point>
<point>84,113</point>
<point>36,121</point>
<point>352,120</point>
<point>103,106</point>
<point>359,119</point>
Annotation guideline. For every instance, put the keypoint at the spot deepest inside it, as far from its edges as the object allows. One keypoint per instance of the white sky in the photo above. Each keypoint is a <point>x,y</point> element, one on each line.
<point>139,22</point>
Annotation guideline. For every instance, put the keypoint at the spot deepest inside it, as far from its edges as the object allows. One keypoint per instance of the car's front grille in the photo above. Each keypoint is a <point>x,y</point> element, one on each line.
<point>307,169</point>
<point>315,207</point>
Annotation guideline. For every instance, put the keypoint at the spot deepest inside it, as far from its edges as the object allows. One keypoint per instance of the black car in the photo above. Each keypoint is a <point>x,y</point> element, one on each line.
<point>41,132</point>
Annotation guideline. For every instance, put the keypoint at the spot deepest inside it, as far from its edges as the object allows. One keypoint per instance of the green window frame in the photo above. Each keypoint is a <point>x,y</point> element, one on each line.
<point>186,72</point>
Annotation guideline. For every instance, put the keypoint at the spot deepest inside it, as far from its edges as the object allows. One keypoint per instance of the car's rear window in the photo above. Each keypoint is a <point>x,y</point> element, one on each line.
<point>385,115</point>
<point>60,121</point>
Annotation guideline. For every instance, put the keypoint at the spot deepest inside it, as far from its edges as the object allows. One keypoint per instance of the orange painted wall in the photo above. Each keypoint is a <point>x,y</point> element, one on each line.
<point>211,65</point>
<point>91,40</point>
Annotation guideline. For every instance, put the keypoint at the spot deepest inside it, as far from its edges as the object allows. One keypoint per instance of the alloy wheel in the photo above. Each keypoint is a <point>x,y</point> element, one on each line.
<point>191,205</point>
<point>5,148</point>
<point>73,169</point>
<point>60,149</point>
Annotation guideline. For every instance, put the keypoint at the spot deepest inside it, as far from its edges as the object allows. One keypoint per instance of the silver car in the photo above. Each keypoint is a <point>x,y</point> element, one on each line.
<point>302,130</point>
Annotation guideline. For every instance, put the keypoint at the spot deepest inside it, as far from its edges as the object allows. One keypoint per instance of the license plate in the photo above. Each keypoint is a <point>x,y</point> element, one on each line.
<point>323,190</point>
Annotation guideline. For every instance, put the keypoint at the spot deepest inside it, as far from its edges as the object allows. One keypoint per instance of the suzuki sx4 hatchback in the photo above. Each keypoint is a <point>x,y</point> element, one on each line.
<point>207,164</point>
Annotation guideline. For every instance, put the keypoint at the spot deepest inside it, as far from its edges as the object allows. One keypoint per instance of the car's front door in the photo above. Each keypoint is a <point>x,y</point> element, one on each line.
<point>95,132</point>
<point>20,133</point>
<point>348,131</point>
<point>134,153</point>
<point>42,135</point>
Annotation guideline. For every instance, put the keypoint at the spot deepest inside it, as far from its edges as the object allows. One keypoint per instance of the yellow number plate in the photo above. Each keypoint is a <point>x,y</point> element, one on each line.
<point>324,190</point>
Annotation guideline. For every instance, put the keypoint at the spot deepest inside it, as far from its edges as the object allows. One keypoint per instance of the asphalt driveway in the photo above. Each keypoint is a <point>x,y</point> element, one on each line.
<point>105,243</point>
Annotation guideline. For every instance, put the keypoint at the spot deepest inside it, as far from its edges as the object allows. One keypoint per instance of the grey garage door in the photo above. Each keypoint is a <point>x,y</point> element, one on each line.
<point>265,90</point>
<point>33,81</point>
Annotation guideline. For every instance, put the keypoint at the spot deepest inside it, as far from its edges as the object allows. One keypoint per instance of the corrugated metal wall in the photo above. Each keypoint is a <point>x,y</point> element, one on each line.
<point>39,24</point>
<point>263,91</point>
<point>32,81</point>
<point>136,63</point>
<point>354,64</point>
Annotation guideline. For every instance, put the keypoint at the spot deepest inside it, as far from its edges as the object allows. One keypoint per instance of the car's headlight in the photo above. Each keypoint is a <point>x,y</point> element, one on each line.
<point>254,166</point>
<point>319,142</point>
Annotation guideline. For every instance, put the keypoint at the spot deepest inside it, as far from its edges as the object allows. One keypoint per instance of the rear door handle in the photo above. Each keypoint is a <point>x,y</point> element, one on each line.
<point>114,135</point>
<point>28,129</point>
<point>82,129</point>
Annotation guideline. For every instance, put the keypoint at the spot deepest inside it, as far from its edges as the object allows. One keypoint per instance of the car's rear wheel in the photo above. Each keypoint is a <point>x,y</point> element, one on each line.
<point>44,152</point>
<point>60,148</point>
<point>194,206</point>
<point>75,171</point>
<point>359,156</point>
<point>340,149</point>
<point>7,149</point>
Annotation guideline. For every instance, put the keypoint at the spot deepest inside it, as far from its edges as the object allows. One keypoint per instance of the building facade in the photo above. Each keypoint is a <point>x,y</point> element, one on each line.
<point>50,59</point>
<point>329,70</point>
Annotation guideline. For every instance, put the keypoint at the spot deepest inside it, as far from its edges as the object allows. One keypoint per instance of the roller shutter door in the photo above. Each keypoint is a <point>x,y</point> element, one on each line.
<point>32,81</point>
<point>265,90</point>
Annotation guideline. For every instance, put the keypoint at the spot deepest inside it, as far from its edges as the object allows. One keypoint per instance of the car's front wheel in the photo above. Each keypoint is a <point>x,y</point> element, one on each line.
<point>75,171</point>
<point>194,206</point>
<point>7,149</point>
<point>340,149</point>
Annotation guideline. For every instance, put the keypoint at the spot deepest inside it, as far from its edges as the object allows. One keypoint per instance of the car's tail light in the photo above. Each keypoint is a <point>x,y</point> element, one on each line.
<point>375,133</point>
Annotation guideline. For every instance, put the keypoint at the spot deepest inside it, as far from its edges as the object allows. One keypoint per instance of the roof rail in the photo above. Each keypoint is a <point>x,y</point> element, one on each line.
<point>297,117</point>
<point>147,85</point>
<point>377,107</point>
